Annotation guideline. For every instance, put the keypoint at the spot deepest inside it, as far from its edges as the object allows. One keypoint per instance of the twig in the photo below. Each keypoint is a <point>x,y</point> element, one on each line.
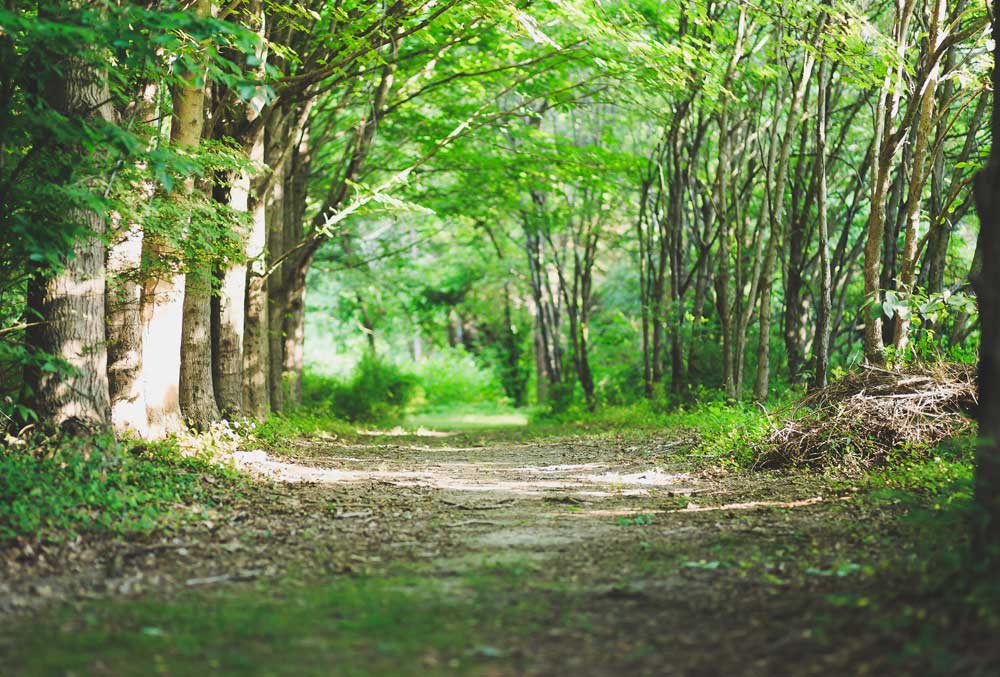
<point>246,575</point>
<point>463,506</point>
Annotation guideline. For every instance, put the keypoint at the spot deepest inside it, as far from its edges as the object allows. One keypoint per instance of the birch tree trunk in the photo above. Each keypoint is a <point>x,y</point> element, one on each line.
<point>197,390</point>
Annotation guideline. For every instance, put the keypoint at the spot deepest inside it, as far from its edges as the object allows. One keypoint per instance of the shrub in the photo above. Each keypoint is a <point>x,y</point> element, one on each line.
<point>453,376</point>
<point>376,391</point>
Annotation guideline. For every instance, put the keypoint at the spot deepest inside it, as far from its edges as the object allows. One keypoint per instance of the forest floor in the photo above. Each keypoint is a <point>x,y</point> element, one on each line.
<point>493,552</point>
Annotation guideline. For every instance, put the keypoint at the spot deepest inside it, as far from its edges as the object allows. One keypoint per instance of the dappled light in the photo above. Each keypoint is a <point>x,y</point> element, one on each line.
<point>480,337</point>
<point>398,431</point>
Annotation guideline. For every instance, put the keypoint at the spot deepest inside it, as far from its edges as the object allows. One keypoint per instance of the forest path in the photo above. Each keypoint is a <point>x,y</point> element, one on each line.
<point>478,552</point>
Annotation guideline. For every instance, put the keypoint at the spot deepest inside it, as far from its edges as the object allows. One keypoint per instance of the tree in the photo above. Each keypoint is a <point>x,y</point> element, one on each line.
<point>197,390</point>
<point>987,283</point>
<point>67,305</point>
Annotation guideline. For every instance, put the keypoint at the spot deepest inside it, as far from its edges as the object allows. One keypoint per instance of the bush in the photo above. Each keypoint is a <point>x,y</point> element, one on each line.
<point>376,391</point>
<point>453,376</point>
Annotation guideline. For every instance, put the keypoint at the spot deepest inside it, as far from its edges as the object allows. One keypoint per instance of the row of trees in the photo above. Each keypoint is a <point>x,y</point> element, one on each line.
<point>171,169</point>
<point>782,185</point>
<point>787,184</point>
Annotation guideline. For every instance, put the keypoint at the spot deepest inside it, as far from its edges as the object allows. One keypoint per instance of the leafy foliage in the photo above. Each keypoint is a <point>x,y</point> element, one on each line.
<point>60,487</point>
<point>375,392</point>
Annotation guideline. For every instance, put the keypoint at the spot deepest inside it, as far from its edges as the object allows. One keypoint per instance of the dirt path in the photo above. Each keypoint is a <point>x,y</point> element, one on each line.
<point>611,553</point>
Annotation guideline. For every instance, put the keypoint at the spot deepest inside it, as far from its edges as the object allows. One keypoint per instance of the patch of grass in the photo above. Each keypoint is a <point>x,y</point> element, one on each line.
<point>59,487</point>
<point>403,625</point>
<point>639,520</point>
<point>281,431</point>
<point>945,617</point>
<point>468,417</point>
<point>725,432</point>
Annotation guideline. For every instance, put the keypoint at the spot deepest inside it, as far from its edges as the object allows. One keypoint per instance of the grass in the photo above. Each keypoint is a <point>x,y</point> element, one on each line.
<point>280,431</point>
<point>468,417</point>
<point>402,625</point>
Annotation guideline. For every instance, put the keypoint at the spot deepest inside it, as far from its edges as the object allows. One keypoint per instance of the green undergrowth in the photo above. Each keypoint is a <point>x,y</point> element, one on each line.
<point>400,625</point>
<point>453,376</point>
<point>468,417</point>
<point>942,605</point>
<point>281,431</point>
<point>375,391</point>
<point>722,432</point>
<point>58,487</point>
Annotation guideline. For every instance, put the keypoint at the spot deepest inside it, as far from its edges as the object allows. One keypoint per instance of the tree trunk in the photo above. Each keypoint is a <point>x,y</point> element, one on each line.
<point>197,391</point>
<point>918,177</point>
<point>821,342</point>
<point>728,309</point>
<point>293,331</point>
<point>123,299</point>
<point>197,387</point>
<point>642,228</point>
<point>228,314</point>
<point>277,139</point>
<point>162,318</point>
<point>295,269</point>
<point>895,215</point>
<point>884,150</point>
<point>776,195</point>
<point>124,333</point>
<point>987,282</point>
<point>256,397</point>
<point>541,377</point>
<point>71,302</point>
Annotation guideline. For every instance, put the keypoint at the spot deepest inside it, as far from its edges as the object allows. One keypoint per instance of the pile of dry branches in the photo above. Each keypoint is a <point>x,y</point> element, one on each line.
<point>856,422</point>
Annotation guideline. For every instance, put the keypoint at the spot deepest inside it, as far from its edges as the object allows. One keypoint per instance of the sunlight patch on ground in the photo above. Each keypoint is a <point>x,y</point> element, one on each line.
<point>400,432</point>
<point>691,507</point>
<point>477,476</point>
<point>460,420</point>
<point>558,468</point>
<point>649,477</point>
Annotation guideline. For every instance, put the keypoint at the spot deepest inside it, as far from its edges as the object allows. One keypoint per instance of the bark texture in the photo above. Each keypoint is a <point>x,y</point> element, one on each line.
<point>70,304</point>
<point>123,296</point>
<point>197,391</point>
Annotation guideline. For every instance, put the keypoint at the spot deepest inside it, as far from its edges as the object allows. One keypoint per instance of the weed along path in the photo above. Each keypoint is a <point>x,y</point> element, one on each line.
<point>473,553</point>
